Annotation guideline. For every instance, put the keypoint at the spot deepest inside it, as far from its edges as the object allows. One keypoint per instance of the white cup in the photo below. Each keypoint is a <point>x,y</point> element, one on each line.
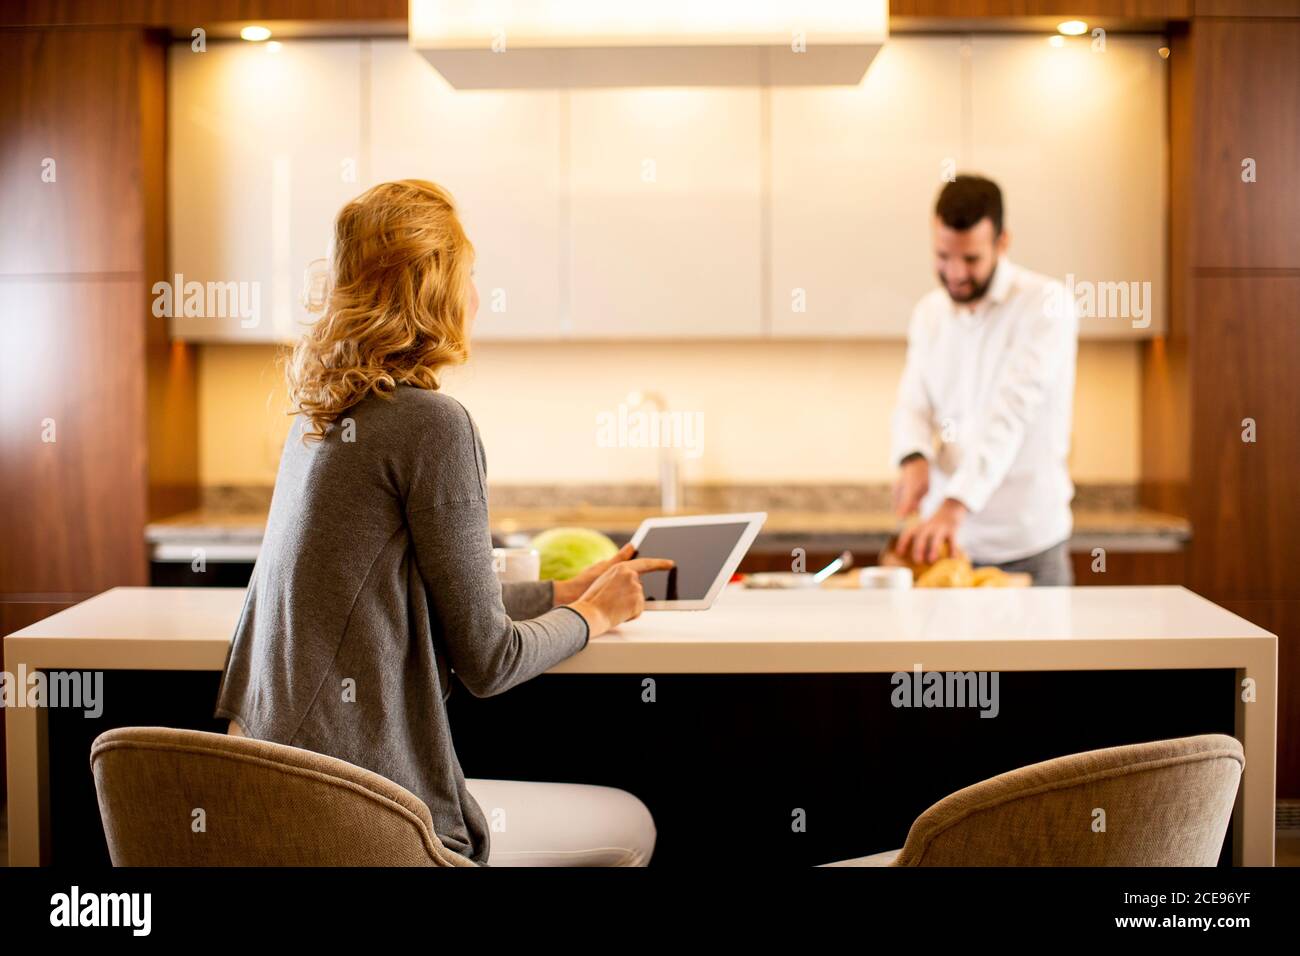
<point>885,577</point>
<point>516,564</point>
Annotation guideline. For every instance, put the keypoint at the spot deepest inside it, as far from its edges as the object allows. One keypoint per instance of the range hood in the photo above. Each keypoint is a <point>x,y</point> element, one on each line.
<point>552,44</point>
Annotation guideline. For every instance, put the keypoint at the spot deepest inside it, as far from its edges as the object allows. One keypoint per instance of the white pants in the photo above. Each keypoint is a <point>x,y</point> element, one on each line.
<point>558,824</point>
<point>563,824</point>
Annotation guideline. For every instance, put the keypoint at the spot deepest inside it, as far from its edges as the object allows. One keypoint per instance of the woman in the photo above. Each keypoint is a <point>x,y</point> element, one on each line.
<point>375,578</point>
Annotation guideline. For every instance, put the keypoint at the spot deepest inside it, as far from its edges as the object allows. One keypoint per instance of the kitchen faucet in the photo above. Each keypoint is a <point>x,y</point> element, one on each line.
<point>670,481</point>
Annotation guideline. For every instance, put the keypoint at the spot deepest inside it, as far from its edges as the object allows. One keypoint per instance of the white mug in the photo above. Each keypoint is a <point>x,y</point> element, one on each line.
<point>516,564</point>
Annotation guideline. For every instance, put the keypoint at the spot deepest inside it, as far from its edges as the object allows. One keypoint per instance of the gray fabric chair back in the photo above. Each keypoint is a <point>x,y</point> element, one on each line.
<point>1165,803</point>
<point>188,798</point>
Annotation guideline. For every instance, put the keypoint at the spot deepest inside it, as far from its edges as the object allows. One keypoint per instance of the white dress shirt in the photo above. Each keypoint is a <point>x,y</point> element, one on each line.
<point>987,397</point>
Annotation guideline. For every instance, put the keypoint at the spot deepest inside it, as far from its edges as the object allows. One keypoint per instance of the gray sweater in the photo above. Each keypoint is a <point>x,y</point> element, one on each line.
<point>374,580</point>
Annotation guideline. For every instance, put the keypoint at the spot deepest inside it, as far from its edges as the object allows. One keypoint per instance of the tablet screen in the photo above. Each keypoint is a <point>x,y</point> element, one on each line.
<point>699,550</point>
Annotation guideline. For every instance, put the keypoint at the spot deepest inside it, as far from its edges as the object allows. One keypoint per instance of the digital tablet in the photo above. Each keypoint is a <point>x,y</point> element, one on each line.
<point>705,549</point>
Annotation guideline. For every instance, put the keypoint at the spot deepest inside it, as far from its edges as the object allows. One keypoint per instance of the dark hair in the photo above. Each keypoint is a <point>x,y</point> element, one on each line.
<point>968,199</point>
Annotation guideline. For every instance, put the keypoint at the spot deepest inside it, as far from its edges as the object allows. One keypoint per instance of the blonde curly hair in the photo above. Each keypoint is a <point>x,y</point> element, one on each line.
<point>396,307</point>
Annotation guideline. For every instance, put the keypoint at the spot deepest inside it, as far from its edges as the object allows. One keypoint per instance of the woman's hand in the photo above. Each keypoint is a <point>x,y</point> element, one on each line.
<point>566,592</point>
<point>616,595</point>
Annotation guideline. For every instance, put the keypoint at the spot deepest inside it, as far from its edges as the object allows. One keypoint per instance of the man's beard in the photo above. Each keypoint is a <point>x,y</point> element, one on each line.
<point>977,289</point>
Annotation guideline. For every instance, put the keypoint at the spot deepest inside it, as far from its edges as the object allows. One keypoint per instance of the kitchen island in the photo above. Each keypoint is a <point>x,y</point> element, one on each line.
<point>747,635</point>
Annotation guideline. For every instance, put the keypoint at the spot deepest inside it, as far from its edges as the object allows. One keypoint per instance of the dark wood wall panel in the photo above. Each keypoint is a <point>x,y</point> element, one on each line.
<point>964,9</point>
<point>1246,352</point>
<point>1166,390</point>
<point>1135,568</point>
<point>1183,126</point>
<point>1235,283</point>
<point>78,343</point>
<point>173,416</point>
<point>1248,107</point>
<point>1166,425</point>
<point>1245,515</point>
<point>72,352</point>
<point>69,96</point>
<point>19,610</point>
<point>194,12</point>
<point>1247,8</point>
<point>72,307</point>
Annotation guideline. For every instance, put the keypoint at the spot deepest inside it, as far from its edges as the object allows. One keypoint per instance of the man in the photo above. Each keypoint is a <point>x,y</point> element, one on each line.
<point>981,432</point>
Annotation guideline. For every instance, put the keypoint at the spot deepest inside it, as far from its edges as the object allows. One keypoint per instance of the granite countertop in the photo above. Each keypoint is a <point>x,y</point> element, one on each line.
<point>1126,528</point>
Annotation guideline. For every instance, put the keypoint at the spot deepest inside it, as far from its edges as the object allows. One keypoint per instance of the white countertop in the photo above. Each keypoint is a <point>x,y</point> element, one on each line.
<point>745,632</point>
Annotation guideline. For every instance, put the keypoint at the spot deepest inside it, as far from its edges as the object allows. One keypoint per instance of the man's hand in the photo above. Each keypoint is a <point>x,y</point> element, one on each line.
<point>925,541</point>
<point>566,592</point>
<point>912,485</point>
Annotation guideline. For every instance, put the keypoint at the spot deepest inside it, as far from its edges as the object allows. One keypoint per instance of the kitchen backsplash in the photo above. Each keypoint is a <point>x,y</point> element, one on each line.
<point>747,413</point>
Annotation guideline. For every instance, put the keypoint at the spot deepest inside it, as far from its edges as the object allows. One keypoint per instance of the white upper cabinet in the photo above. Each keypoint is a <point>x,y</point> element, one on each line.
<point>665,224</point>
<point>674,213</point>
<point>1076,136</point>
<point>855,171</point>
<point>264,147</point>
<point>498,153</point>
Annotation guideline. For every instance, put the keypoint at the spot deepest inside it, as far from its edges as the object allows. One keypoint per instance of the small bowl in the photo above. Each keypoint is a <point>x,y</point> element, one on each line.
<point>896,577</point>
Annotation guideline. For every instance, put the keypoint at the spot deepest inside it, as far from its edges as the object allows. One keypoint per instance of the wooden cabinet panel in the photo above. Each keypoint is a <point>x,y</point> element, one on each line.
<point>1166,426</point>
<point>265,146</point>
<point>1246,8</point>
<point>69,100</point>
<point>184,14</point>
<point>665,213</point>
<point>1248,108</point>
<point>499,154</point>
<point>72,370</point>
<point>1045,9</point>
<point>855,172</point>
<point>1076,137</point>
<point>78,252</point>
<point>1245,349</point>
<point>1142,568</point>
<point>19,610</point>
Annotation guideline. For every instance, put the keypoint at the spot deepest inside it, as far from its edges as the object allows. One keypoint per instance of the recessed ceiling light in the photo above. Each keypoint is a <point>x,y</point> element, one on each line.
<point>256,34</point>
<point>273,46</point>
<point>1072,28</point>
<point>1056,40</point>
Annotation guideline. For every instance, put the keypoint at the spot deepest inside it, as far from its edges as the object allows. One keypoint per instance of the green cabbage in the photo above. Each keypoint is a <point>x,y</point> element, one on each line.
<point>567,552</point>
